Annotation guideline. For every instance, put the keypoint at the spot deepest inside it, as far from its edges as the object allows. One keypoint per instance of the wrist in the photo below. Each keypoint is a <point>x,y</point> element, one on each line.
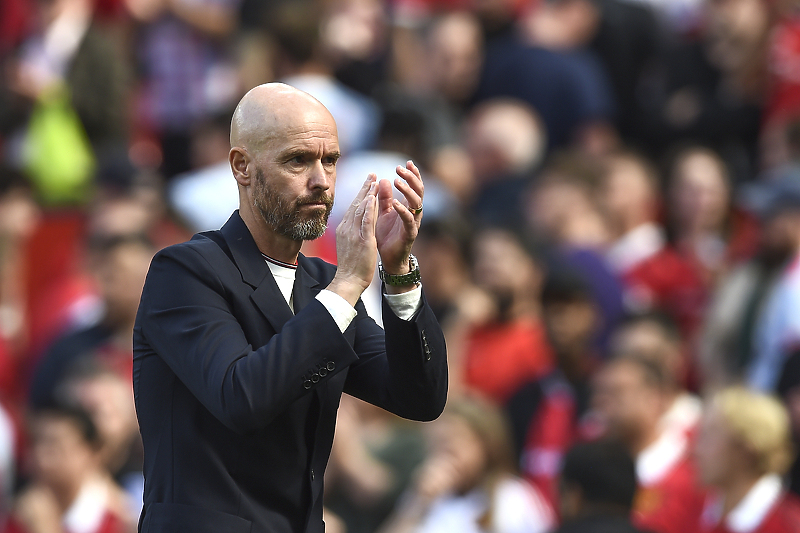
<point>347,289</point>
<point>400,279</point>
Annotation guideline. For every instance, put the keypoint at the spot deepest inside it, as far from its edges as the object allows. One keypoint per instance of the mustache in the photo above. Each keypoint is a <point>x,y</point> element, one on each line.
<point>319,198</point>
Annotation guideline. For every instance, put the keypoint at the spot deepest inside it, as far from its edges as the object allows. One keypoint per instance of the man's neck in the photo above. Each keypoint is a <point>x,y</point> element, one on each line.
<point>737,489</point>
<point>268,242</point>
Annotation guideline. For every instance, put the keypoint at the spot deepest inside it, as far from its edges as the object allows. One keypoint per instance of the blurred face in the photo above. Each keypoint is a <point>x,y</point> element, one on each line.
<point>502,267</point>
<point>626,194</point>
<point>61,458</point>
<point>626,404</point>
<point>456,56</point>
<point>109,400</point>
<point>552,205</point>
<point>457,444</point>
<point>120,275</point>
<point>647,339</point>
<point>744,21</point>
<point>716,452</point>
<point>700,194</point>
<point>570,325</point>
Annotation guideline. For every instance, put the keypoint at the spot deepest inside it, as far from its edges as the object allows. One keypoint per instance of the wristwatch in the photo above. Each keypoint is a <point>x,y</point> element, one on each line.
<point>398,280</point>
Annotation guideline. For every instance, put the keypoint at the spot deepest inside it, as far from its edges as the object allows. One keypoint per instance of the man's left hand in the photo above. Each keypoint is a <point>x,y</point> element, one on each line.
<point>397,225</point>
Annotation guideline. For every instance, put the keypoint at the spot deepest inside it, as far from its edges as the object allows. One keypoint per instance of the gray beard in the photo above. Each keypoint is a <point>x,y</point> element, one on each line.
<point>288,220</point>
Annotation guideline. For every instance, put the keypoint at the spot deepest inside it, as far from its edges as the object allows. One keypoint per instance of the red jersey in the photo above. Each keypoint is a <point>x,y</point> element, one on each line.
<point>669,499</point>
<point>501,357</point>
<point>766,508</point>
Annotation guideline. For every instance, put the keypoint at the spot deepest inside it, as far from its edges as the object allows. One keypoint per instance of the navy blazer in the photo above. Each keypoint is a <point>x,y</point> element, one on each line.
<point>237,396</point>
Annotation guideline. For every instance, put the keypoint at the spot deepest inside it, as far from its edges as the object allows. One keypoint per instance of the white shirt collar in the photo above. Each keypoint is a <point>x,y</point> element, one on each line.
<point>88,509</point>
<point>635,246</point>
<point>755,507</point>
<point>656,461</point>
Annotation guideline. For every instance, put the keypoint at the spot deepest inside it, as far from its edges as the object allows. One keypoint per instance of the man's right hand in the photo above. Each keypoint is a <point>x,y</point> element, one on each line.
<point>356,248</point>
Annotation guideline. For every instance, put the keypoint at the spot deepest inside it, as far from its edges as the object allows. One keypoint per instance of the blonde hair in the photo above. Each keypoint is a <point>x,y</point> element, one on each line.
<point>760,423</point>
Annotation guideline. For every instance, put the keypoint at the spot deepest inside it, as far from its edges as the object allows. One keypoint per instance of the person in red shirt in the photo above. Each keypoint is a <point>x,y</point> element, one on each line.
<point>508,347</point>
<point>69,491</point>
<point>631,398</point>
<point>742,450</point>
<point>655,275</point>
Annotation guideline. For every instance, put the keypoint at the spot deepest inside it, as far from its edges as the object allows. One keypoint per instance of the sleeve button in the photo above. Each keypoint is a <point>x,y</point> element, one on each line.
<point>306,384</point>
<point>323,372</point>
<point>331,366</point>
<point>314,378</point>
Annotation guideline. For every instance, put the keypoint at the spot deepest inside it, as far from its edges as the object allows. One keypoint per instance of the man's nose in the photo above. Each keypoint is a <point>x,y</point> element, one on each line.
<point>319,177</point>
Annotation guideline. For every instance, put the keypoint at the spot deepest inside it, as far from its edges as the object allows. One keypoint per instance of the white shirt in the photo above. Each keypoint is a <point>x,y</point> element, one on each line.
<point>518,508</point>
<point>751,511</point>
<point>404,305</point>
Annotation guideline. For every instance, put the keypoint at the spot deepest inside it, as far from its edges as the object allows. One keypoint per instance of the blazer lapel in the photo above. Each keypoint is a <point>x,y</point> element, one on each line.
<point>255,272</point>
<point>305,286</point>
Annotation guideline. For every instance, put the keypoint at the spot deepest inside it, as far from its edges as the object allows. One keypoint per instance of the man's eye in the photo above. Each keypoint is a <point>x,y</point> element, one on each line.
<point>297,160</point>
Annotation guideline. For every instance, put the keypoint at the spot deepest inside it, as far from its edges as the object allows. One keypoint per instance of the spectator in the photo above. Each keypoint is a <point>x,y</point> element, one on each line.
<point>569,91</point>
<point>302,62</point>
<point>700,213</point>
<point>506,345</point>
<point>730,336</point>
<point>776,330</point>
<point>468,482</point>
<point>655,276</point>
<point>598,484</point>
<point>372,462</point>
<point>561,210</point>
<point>120,266</point>
<point>742,451</point>
<point>108,398</point>
<point>709,90</point>
<point>546,414</point>
<point>187,70</point>
<point>505,140</point>
<point>631,399</point>
<point>656,338</point>
<point>69,490</point>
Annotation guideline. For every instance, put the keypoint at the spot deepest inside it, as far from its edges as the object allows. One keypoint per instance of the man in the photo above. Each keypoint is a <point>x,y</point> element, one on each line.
<point>242,346</point>
<point>597,489</point>
<point>631,396</point>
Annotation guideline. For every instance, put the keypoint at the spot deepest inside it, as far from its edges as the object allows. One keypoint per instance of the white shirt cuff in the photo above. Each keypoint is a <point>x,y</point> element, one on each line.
<point>405,304</point>
<point>340,309</point>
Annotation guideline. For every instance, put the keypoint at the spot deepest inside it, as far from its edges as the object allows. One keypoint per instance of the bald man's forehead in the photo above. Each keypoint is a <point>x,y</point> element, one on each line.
<point>268,118</point>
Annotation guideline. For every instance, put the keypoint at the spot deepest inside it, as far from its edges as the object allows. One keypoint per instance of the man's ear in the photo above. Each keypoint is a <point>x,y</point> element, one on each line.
<point>239,160</point>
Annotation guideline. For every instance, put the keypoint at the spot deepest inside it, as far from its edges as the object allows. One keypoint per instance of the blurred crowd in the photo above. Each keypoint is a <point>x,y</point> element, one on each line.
<point>611,242</point>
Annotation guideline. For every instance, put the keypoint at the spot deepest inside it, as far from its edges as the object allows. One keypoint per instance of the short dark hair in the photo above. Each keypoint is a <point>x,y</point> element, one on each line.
<point>77,416</point>
<point>604,472</point>
<point>665,322</point>
<point>565,285</point>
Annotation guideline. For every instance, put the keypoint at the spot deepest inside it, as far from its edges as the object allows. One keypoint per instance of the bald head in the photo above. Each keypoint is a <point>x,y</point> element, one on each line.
<point>270,110</point>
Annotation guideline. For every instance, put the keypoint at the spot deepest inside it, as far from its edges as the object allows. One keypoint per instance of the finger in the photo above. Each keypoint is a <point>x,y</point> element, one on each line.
<point>362,193</point>
<point>412,176</point>
<point>356,215</point>
<point>370,217</point>
<point>410,220</point>
<point>413,199</point>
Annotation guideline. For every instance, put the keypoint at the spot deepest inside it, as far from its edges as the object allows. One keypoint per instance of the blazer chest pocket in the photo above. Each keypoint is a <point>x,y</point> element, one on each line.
<point>178,518</point>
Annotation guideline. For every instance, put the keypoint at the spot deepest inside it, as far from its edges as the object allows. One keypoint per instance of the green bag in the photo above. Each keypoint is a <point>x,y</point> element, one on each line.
<point>57,155</point>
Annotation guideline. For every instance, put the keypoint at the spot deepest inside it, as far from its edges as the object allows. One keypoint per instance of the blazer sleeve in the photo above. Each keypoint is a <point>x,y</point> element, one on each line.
<point>403,368</point>
<point>186,320</point>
